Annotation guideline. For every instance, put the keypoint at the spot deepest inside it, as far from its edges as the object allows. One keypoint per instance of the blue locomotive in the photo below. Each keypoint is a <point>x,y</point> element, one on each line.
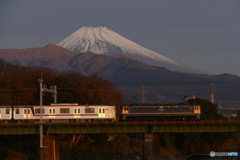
<point>160,112</point>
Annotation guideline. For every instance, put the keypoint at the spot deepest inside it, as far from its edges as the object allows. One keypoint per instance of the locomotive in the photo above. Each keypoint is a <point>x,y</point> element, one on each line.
<point>98,113</point>
<point>160,112</point>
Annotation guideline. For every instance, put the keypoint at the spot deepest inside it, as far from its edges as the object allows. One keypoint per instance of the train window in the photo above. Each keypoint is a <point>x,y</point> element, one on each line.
<point>67,110</point>
<point>0,111</point>
<point>17,111</point>
<point>127,108</point>
<point>89,110</point>
<point>78,110</point>
<point>75,110</point>
<point>7,111</point>
<point>37,110</point>
<point>50,111</point>
<point>99,110</point>
<point>103,110</point>
<point>61,110</point>
<point>53,111</point>
<point>124,108</point>
<point>25,111</point>
<point>28,111</point>
<point>64,110</point>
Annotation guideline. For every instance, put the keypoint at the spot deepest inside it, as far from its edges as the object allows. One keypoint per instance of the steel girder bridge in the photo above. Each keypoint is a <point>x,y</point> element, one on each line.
<point>121,127</point>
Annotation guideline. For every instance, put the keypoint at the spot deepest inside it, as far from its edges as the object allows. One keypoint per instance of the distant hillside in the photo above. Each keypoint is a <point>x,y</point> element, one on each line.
<point>120,69</point>
<point>116,68</point>
<point>50,56</point>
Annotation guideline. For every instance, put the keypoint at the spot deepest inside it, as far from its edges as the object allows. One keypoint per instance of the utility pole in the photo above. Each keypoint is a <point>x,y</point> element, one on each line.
<point>41,124</point>
<point>55,94</point>
<point>143,94</point>
<point>212,95</point>
<point>43,88</point>
<point>219,106</point>
<point>53,90</point>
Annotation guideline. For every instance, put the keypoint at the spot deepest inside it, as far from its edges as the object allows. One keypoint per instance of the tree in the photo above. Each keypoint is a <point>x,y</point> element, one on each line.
<point>93,89</point>
<point>208,110</point>
<point>237,115</point>
<point>66,92</point>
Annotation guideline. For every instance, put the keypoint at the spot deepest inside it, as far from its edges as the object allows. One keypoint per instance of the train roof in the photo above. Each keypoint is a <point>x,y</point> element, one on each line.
<point>5,106</point>
<point>63,104</point>
<point>67,105</point>
<point>163,104</point>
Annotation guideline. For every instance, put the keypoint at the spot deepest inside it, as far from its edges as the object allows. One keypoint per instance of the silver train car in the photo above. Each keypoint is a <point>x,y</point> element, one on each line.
<point>5,113</point>
<point>160,112</point>
<point>60,113</point>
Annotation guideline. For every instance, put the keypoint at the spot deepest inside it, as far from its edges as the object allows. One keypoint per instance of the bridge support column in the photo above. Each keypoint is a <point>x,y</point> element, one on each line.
<point>151,147</point>
<point>50,150</point>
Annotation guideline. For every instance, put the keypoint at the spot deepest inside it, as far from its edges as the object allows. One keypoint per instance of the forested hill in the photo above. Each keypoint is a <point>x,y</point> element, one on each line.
<point>20,86</point>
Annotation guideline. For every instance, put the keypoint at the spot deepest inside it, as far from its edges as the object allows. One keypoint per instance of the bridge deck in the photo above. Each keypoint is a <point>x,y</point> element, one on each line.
<point>121,127</point>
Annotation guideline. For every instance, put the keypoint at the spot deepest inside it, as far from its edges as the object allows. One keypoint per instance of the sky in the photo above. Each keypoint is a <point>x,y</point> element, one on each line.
<point>202,34</point>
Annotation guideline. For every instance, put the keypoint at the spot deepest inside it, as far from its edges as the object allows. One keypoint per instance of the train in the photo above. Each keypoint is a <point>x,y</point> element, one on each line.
<point>99,113</point>
<point>160,112</point>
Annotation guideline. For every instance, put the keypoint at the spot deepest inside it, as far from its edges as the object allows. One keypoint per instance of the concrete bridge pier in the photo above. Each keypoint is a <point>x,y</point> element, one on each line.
<point>151,149</point>
<point>50,150</point>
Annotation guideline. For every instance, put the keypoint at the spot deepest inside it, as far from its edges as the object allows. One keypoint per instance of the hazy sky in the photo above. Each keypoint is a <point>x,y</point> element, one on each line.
<point>202,34</point>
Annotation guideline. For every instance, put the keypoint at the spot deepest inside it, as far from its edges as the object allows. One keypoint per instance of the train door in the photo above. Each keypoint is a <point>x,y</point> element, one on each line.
<point>26,113</point>
<point>79,112</point>
<point>49,113</point>
<point>76,112</point>
<point>110,112</point>
<point>101,112</point>
<point>29,113</point>
<point>52,112</point>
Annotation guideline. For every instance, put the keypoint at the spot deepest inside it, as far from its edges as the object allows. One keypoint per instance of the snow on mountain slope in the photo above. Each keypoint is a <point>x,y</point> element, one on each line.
<point>102,40</point>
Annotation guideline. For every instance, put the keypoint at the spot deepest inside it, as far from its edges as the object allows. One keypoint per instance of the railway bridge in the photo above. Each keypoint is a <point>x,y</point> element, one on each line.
<point>151,131</point>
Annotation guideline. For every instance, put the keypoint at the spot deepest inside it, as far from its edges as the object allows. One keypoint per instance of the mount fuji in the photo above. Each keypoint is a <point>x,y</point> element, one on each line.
<point>101,40</point>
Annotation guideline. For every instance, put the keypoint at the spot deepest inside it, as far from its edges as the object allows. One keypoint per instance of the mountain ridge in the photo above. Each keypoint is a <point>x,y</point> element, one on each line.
<point>101,40</point>
<point>61,59</point>
<point>122,70</point>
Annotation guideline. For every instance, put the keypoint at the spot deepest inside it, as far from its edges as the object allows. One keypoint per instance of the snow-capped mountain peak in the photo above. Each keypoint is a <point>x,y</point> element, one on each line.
<point>102,40</point>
